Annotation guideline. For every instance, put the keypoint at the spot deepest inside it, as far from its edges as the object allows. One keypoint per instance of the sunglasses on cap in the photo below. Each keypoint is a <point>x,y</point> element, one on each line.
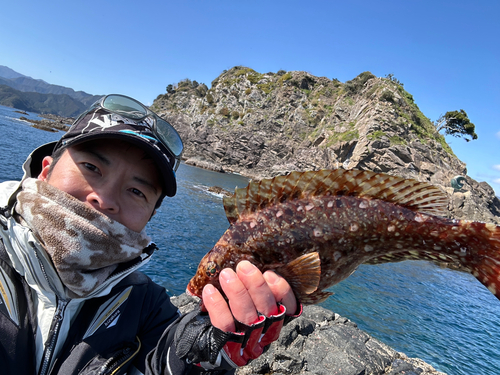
<point>130,108</point>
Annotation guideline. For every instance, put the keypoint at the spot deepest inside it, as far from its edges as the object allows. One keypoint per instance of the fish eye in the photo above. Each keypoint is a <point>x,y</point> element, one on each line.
<point>212,269</point>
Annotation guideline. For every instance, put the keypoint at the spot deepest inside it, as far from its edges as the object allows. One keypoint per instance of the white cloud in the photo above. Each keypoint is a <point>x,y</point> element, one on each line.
<point>496,180</point>
<point>498,135</point>
<point>497,167</point>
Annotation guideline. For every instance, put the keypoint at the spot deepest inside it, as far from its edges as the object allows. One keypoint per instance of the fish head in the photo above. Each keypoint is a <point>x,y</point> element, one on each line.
<point>207,273</point>
<point>210,266</point>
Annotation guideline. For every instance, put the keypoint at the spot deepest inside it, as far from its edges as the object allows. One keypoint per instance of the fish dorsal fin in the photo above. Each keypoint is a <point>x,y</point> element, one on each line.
<point>409,193</point>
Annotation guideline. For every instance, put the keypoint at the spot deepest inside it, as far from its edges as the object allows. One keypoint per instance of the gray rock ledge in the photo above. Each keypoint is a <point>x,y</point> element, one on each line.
<point>322,342</point>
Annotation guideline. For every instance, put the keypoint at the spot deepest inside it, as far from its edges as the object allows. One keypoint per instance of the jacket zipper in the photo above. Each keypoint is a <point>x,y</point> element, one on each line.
<point>52,339</point>
<point>144,258</point>
<point>113,365</point>
<point>55,327</point>
<point>42,267</point>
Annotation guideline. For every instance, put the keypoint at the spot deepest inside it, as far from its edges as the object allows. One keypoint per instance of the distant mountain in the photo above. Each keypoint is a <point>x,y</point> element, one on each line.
<point>61,105</point>
<point>6,72</point>
<point>27,85</point>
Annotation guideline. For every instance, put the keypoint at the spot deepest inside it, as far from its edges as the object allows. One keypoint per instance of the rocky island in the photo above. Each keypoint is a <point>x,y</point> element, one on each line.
<point>51,123</point>
<point>264,125</point>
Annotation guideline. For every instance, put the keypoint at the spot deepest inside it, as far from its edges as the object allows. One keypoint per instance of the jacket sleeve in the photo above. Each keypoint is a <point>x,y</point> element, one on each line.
<point>160,321</point>
<point>165,358</point>
<point>192,345</point>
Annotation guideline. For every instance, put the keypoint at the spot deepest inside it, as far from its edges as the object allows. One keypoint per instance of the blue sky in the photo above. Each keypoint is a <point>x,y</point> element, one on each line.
<point>446,53</point>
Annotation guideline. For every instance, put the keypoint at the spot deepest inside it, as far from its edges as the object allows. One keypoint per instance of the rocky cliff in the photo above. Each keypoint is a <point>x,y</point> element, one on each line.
<point>263,125</point>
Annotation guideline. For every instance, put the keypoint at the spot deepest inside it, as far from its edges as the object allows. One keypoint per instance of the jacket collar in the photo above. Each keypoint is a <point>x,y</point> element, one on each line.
<point>31,168</point>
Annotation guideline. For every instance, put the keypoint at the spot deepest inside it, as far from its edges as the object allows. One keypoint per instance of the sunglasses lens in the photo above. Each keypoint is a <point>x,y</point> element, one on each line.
<point>126,106</point>
<point>170,136</point>
<point>134,110</point>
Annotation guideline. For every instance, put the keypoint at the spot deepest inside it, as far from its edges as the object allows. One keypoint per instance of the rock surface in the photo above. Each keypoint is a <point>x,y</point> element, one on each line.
<point>324,343</point>
<point>51,123</point>
<point>263,125</point>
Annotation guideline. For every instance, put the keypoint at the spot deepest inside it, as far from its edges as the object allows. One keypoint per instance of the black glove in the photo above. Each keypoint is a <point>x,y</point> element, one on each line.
<point>198,342</point>
<point>192,345</point>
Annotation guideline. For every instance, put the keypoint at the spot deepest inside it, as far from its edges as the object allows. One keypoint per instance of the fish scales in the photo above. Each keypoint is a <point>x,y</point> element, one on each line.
<point>316,228</point>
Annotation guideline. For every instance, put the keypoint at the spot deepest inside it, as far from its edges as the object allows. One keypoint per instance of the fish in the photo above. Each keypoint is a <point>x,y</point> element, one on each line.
<point>315,228</point>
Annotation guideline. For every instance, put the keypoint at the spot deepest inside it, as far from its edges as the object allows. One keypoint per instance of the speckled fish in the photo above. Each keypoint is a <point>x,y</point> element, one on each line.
<point>316,228</point>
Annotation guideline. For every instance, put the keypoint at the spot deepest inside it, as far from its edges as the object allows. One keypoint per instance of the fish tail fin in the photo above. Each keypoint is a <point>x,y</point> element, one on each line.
<point>303,274</point>
<point>485,263</point>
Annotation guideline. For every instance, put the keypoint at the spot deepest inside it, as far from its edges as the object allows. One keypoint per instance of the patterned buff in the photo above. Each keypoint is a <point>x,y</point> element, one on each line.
<point>85,245</point>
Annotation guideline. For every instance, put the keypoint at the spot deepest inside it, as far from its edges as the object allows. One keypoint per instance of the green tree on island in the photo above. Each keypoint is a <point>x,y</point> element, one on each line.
<point>457,124</point>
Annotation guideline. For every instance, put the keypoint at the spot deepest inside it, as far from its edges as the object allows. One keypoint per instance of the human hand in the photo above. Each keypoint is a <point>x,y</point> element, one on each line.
<point>249,292</point>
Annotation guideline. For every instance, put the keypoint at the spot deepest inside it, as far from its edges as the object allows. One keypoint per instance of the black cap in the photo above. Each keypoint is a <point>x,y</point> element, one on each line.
<point>100,124</point>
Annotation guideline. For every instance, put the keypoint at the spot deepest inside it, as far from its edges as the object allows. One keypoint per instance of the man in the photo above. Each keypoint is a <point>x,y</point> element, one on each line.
<point>72,239</point>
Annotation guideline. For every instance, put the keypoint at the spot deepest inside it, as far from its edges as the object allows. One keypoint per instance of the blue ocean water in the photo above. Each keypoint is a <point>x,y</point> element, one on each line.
<point>445,317</point>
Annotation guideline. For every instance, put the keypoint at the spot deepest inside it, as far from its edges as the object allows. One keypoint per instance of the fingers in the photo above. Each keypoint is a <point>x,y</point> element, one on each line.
<point>240,300</point>
<point>248,291</point>
<point>239,305</point>
<point>282,291</point>
<point>257,287</point>
<point>218,310</point>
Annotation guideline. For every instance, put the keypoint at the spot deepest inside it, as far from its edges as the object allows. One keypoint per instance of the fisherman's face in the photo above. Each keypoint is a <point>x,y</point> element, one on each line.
<point>114,177</point>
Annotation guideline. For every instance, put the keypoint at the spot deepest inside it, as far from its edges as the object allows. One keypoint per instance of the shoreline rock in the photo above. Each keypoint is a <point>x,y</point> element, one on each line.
<point>322,342</point>
<point>204,164</point>
<point>51,123</point>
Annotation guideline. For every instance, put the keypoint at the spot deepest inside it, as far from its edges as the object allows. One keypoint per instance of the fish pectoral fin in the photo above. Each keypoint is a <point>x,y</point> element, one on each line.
<point>303,273</point>
<point>315,297</point>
